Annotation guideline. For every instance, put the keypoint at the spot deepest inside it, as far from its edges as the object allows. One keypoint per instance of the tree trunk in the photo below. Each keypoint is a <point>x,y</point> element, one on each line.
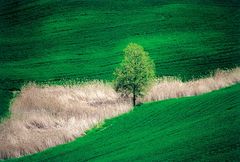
<point>134,99</point>
<point>134,96</point>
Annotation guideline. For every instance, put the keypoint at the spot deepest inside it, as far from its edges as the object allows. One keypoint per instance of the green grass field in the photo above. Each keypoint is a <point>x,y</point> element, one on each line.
<point>200,128</point>
<point>50,40</point>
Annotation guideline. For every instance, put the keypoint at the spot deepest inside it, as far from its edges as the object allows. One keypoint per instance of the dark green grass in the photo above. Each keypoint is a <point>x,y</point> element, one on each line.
<point>48,40</point>
<point>201,128</point>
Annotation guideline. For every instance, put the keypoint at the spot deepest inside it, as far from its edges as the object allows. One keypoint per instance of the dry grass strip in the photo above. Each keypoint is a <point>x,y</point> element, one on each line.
<point>45,116</point>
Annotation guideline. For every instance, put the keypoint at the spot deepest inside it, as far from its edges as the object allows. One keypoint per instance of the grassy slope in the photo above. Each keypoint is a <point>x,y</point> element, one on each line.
<point>205,127</point>
<point>49,40</point>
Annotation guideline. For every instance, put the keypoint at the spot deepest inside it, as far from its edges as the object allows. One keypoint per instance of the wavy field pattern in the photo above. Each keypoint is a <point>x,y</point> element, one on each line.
<point>50,40</point>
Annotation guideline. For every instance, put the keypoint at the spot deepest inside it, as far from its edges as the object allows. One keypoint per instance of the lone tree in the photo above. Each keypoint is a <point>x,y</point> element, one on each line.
<point>135,73</point>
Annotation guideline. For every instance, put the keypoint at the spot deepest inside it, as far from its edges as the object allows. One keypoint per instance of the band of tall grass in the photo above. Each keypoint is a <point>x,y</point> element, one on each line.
<point>46,115</point>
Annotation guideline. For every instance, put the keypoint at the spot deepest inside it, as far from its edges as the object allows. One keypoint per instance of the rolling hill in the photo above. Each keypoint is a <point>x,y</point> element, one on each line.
<point>50,40</point>
<point>201,128</point>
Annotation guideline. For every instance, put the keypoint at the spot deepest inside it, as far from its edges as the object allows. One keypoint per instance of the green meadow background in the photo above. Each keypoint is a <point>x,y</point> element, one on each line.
<point>55,41</point>
<point>51,40</point>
